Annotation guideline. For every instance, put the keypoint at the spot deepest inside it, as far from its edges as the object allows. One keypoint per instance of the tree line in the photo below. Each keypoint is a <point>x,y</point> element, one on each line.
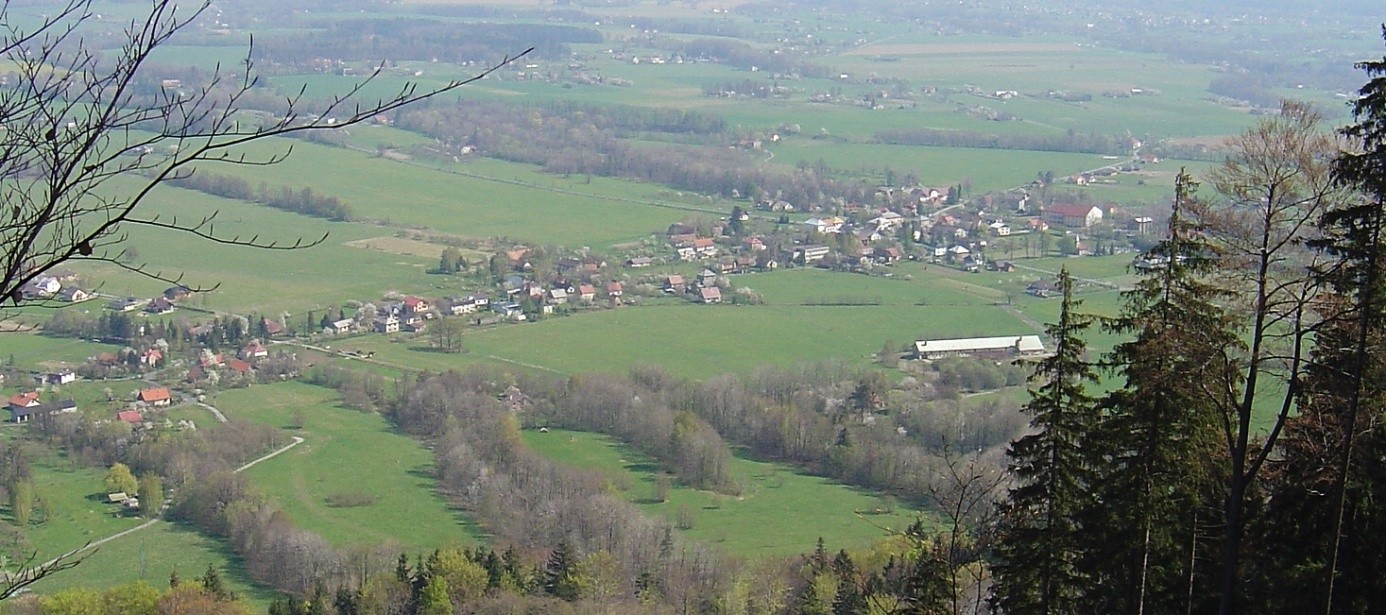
<point>301,201</point>
<point>1072,142</point>
<point>575,143</point>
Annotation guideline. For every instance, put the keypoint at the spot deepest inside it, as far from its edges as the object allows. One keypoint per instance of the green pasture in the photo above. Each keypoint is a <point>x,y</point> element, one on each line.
<point>524,204</point>
<point>984,169</point>
<point>780,512</point>
<point>77,498</point>
<point>348,452</point>
<point>698,340</point>
<point>151,555</point>
<point>37,352</point>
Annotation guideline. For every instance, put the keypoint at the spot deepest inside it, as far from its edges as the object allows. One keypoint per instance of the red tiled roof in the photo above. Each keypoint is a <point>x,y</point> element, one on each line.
<point>154,394</point>
<point>24,399</point>
<point>237,365</point>
<point>129,416</point>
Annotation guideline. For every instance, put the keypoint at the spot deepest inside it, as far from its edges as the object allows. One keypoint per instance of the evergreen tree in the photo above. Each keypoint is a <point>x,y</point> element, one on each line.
<point>1157,432</point>
<point>1039,549</point>
<point>1324,539</point>
<point>558,572</point>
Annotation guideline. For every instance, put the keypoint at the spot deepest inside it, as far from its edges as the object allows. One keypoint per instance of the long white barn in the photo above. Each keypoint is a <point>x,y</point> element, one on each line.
<point>1008,345</point>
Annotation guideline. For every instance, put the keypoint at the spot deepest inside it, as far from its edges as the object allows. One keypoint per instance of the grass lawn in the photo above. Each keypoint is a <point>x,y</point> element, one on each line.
<point>151,555</point>
<point>348,452</point>
<point>33,351</point>
<point>77,498</point>
<point>799,508</point>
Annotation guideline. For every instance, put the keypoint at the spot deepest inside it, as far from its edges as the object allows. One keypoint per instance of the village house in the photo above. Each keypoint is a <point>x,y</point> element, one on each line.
<point>753,244</point>
<point>239,367</point>
<point>253,350</point>
<point>131,417</point>
<point>1040,288</point>
<point>825,226</point>
<point>705,247</point>
<point>510,309</point>
<point>386,324</point>
<point>27,413</point>
<point>159,306</point>
<point>587,293</point>
<point>686,252</point>
<point>706,278</point>
<point>674,284</point>
<point>614,290</point>
<point>272,327</point>
<point>46,286</point>
<point>888,256</point>
<point>152,357</point>
<point>639,262</point>
<point>19,401</point>
<point>1074,216</point>
<point>155,396</point>
<point>999,229</point>
<point>72,294</point>
<point>65,376</point>
<point>416,305</point>
<point>710,294</point>
<point>339,327</point>
<point>558,296</point>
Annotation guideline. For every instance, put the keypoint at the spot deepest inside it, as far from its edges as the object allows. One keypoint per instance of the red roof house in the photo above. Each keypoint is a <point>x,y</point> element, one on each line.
<point>157,396</point>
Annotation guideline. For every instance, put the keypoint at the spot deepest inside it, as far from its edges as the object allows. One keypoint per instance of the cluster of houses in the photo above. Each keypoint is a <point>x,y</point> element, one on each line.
<point>26,406</point>
<point>222,366</point>
<point>60,285</point>
<point>157,306</point>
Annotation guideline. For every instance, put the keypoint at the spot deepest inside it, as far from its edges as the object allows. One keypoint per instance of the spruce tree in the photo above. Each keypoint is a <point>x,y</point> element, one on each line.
<point>1157,433</point>
<point>1040,545</point>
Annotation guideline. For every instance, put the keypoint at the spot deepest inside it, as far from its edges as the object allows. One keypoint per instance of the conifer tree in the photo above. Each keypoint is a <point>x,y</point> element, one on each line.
<point>1158,433</point>
<point>1039,549</point>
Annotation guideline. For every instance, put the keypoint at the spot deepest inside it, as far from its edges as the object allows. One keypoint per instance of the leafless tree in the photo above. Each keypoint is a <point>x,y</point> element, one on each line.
<point>965,492</point>
<point>31,571</point>
<point>86,136</point>
<point>1274,186</point>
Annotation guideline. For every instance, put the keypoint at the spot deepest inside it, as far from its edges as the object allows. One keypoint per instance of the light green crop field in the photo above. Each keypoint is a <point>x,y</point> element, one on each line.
<point>780,512</point>
<point>348,452</point>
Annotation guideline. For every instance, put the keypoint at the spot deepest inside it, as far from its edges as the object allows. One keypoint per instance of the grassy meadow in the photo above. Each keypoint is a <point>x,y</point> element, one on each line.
<point>742,525</point>
<point>348,453</point>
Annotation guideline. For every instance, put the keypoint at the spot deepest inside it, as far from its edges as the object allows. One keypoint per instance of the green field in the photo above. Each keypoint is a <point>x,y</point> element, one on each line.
<point>780,512</point>
<point>77,498</point>
<point>348,452</point>
<point>151,555</point>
